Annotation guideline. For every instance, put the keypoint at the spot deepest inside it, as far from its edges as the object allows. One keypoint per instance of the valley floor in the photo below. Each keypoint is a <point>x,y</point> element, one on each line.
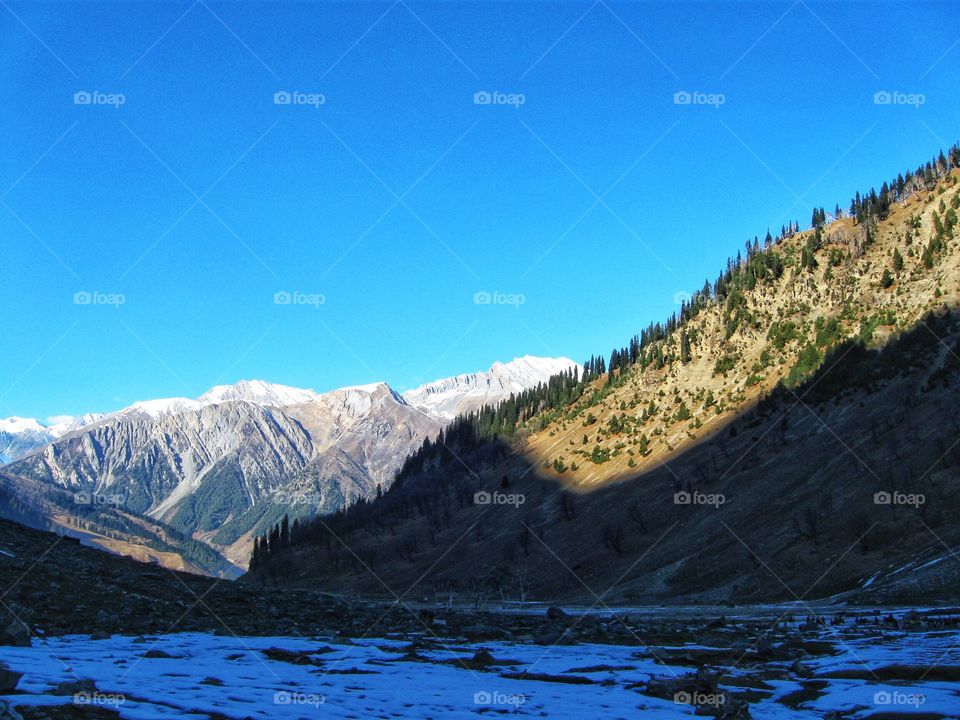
<point>780,666</point>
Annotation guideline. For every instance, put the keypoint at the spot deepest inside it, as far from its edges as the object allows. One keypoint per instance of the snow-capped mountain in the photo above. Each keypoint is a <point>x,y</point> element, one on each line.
<point>257,392</point>
<point>447,398</point>
<point>223,466</point>
<point>18,436</point>
<point>66,424</point>
<point>21,436</point>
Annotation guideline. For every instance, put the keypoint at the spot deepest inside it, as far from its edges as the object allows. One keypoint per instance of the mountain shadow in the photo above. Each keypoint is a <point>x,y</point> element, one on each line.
<point>843,484</point>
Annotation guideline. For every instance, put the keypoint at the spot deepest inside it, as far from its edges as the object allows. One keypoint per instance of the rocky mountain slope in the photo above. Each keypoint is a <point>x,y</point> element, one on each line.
<point>103,524</point>
<point>791,433</point>
<point>231,462</point>
<point>467,393</point>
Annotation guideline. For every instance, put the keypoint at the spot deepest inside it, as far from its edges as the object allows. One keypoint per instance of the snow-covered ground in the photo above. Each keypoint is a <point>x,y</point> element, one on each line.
<point>373,678</point>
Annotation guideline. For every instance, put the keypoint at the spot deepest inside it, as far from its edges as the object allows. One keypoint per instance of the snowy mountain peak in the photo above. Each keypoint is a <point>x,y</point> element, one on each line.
<point>20,425</point>
<point>19,436</point>
<point>447,398</point>
<point>62,425</point>
<point>258,392</point>
<point>359,400</point>
<point>368,388</point>
<point>161,407</point>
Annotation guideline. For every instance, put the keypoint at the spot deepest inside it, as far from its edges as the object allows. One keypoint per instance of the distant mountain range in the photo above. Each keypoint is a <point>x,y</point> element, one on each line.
<point>221,467</point>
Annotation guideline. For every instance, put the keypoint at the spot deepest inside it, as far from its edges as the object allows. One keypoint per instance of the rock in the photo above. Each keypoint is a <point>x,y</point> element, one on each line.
<point>100,635</point>
<point>139,640</point>
<point>155,654</point>
<point>482,658</point>
<point>212,681</point>
<point>15,634</point>
<point>293,657</point>
<point>557,614</point>
<point>84,686</point>
<point>8,679</point>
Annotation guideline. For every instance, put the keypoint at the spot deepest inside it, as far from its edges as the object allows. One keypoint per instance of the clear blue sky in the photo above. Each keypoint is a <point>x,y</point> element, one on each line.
<point>496,197</point>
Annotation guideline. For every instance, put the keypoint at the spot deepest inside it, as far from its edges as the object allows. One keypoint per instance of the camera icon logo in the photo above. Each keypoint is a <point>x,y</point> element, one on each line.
<point>882,97</point>
<point>82,97</point>
<point>482,298</point>
<point>682,498</point>
<point>282,298</point>
<point>882,498</point>
<point>482,498</point>
<point>482,97</point>
<point>282,97</point>
<point>682,98</point>
<point>482,698</point>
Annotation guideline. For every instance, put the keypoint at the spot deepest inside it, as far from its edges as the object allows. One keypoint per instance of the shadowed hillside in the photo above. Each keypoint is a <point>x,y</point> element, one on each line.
<point>791,432</point>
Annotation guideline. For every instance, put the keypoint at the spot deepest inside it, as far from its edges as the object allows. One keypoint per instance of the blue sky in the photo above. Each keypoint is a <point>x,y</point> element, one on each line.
<point>590,195</point>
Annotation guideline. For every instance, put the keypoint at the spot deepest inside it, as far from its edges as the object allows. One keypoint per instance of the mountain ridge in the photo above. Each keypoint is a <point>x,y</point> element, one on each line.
<point>218,467</point>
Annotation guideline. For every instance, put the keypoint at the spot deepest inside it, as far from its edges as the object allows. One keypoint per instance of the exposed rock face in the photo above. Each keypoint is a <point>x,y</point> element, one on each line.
<point>217,470</point>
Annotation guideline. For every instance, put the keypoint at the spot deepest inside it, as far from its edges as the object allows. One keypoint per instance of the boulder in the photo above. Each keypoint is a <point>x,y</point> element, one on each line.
<point>8,679</point>
<point>155,654</point>
<point>16,634</point>
<point>80,686</point>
